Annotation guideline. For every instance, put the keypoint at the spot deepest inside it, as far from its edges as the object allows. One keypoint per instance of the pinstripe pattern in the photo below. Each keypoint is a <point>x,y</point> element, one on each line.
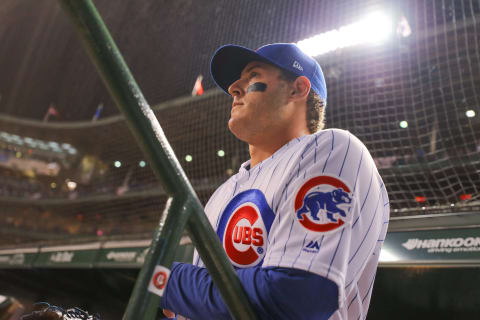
<point>358,172</point>
<point>368,191</point>
<point>347,255</point>
<point>351,301</point>
<point>320,247</point>
<point>256,176</point>
<point>335,252</point>
<point>234,190</point>
<point>369,289</point>
<point>300,250</point>
<point>285,193</point>
<point>345,157</point>
<point>285,247</point>
<point>366,233</point>
<point>329,154</point>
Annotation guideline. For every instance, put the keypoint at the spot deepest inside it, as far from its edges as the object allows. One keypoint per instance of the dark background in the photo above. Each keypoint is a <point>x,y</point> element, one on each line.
<point>399,293</point>
<point>430,79</point>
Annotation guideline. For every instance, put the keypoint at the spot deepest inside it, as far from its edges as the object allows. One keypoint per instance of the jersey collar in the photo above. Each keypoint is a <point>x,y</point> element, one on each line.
<point>245,167</point>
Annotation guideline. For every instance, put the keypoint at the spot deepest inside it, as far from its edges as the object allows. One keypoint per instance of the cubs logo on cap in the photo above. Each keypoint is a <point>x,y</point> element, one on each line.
<point>323,204</point>
<point>244,227</point>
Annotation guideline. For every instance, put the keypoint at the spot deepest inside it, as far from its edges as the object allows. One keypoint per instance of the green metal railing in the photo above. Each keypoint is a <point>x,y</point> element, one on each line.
<point>183,209</point>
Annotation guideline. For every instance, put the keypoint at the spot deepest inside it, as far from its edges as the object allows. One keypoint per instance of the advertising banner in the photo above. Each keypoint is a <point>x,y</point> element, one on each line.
<point>18,258</point>
<point>432,247</point>
<point>74,256</point>
<point>110,254</point>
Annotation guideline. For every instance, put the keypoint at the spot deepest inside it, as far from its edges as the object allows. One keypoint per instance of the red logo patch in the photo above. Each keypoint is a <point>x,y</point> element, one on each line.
<point>245,239</point>
<point>323,204</point>
<point>160,279</point>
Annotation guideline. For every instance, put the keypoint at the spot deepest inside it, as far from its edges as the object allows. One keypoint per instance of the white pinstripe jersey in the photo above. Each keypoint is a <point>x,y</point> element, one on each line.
<point>317,204</point>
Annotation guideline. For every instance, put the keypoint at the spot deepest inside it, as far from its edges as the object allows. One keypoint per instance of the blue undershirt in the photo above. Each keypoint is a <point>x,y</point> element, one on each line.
<point>275,293</point>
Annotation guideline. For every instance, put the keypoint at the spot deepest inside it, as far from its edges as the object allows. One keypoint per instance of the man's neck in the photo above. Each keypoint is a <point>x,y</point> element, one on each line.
<point>260,152</point>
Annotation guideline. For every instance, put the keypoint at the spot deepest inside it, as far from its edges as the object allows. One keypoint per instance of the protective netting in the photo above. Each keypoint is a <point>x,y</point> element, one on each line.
<point>94,181</point>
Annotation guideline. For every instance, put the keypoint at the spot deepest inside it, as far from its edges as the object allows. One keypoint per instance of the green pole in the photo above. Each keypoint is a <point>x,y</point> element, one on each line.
<point>184,210</point>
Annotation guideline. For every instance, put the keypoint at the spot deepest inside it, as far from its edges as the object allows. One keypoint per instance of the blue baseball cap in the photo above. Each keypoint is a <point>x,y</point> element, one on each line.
<point>229,61</point>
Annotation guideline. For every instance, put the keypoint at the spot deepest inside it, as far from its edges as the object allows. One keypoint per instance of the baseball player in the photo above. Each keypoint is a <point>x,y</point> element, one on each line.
<point>303,221</point>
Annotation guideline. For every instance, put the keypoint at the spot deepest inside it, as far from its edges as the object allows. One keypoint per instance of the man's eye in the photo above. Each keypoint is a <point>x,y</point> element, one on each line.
<point>253,74</point>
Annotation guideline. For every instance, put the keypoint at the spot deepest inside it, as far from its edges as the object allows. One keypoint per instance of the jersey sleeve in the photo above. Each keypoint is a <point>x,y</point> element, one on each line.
<point>328,211</point>
<point>275,294</point>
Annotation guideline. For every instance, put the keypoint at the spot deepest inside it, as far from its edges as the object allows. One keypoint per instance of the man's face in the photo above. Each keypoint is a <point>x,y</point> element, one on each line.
<point>257,114</point>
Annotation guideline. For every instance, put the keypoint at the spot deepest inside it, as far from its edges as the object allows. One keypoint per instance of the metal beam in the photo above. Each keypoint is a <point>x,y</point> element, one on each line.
<point>184,208</point>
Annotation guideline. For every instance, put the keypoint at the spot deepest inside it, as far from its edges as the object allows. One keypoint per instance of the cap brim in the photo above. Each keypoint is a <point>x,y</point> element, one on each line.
<point>229,61</point>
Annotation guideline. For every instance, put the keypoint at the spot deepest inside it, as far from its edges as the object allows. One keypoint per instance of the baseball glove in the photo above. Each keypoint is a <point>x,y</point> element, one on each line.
<point>46,311</point>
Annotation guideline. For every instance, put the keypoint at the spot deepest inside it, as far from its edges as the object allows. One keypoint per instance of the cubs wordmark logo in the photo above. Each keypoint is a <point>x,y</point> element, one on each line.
<point>244,227</point>
<point>322,204</point>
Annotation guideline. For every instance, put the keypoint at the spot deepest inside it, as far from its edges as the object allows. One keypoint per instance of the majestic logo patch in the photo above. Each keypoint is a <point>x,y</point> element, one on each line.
<point>244,227</point>
<point>312,247</point>
<point>322,204</point>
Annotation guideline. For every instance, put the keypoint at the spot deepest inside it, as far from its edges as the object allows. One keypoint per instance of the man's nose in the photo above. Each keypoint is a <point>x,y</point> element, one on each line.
<point>236,88</point>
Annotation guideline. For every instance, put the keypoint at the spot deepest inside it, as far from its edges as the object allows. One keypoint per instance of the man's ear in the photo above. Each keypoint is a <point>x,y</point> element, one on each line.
<point>300,88</point>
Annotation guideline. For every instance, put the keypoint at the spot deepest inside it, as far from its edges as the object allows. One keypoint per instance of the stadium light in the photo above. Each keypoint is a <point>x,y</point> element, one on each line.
<point>470,113</point>
<point>117,164</point>
<point>188,158</point>
<point>71,185</point>
<point>373,29</point>
<point>403,124</point>
<point>142,164</point>
<point>387,256</point>
<point>404,28</point>
<point>220,153</point>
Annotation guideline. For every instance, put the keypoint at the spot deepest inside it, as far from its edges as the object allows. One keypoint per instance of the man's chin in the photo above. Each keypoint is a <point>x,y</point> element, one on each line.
<point>236,129</point>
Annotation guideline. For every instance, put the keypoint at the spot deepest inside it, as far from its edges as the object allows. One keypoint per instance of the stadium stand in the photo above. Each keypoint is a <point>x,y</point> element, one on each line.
<point>76,190</point>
